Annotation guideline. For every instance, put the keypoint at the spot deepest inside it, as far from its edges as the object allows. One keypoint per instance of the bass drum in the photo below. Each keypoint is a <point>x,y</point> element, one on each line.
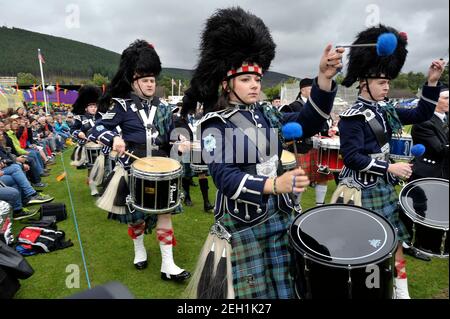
<point>425,210</point>
<point>343,252</point>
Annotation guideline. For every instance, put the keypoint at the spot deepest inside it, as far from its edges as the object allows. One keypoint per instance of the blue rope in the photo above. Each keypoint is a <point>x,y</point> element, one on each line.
<point>76,223</point>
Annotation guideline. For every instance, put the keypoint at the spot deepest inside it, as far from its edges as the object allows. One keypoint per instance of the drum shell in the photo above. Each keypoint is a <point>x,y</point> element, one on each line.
<point>329,156</point>
<point>198,165</point>
<point>314,280</point>
<point>400,148</point>
<point>424,212</point>
<point>92,151</point>
<point>360,274</point>
<point>427,239</point>
<point>155,193</point>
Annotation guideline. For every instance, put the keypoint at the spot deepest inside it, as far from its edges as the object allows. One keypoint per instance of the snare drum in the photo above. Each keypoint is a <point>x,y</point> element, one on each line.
<point>155,184</point>
<point>425,210</point>
<point>400,147</point>
<point>343,251</point>
<point>93,150</point>
<point>198,166</point>
<point>330,158</point>
<point>6,218</point>
<point>288,160</point>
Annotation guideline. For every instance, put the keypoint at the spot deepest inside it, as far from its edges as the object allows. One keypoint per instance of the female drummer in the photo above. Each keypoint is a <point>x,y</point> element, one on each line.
<point>366,128</point>
<point>145,122</point>
<point>251,201</point>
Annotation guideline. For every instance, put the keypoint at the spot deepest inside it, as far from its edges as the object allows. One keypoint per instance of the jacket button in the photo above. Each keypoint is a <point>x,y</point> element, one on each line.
<point>259,210</point>
<point>244,189</point>
<point>259,125</point>
<point>239,200</point>
<point>236,211</point>
<point>433,162</point>
<point>256,117</point>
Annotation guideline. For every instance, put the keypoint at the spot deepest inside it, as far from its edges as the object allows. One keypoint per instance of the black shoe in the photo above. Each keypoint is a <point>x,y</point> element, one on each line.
<point>141,265</point>
<point>180,277</point>
<point>414,252</point>
<point>207,207</point>
<point>188,202</point>
<point>24,213</point>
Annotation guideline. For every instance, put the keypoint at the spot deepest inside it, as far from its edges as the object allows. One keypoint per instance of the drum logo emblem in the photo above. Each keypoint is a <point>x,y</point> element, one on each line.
<point>375,242</point>
<point>173,188</point>
<point>149,190</point>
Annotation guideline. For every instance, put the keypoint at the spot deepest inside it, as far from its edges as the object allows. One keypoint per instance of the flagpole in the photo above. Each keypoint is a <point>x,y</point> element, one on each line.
<point>43,83</point>
<point>179,87</point>
<point>172,86</point>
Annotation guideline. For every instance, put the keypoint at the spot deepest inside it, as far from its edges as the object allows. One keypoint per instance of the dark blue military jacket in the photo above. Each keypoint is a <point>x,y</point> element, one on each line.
<point>239,172</point>
<point>364,159</point>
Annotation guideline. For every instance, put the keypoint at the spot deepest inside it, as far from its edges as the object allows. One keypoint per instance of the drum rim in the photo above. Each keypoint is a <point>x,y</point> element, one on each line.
<point>408,214</point>
<point>156,211</point>
<point>135,169</point>
<point>309,255</point>
<point>136,173</point>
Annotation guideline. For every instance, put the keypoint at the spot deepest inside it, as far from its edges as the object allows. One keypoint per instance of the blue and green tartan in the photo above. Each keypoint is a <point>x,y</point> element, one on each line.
<point>383,200</point>
<point>260,258</point>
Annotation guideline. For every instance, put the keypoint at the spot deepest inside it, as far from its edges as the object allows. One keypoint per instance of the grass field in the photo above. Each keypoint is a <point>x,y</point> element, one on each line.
<point>109,251</point>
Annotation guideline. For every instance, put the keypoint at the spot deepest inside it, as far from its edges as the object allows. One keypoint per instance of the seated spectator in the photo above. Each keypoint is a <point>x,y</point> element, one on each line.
<point>12,175</point>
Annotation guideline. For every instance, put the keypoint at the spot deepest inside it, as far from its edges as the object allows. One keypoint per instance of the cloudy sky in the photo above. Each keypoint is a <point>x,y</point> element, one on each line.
<point>300,28</point>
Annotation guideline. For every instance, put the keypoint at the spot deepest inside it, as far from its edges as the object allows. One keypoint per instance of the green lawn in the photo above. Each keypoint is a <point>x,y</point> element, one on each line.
<point>109,251</point>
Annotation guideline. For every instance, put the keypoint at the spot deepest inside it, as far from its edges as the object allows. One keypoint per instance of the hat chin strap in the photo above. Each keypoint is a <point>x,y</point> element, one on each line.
<point>368,89</point>
<point>141,93</point>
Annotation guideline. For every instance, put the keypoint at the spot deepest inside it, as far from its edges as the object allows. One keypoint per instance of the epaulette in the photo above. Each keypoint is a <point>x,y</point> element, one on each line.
<point>222,115</point>
<point>358,109</point>
<point>122,102</point>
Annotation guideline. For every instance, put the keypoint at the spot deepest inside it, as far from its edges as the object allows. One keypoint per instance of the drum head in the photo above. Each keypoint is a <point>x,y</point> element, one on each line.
<point>425,201</point>
<point>343,235</point>
<point>156,165</point>
<point>287,157</point>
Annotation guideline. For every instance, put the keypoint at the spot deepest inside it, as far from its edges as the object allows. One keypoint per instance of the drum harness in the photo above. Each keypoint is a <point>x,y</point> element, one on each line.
<point>150,131</point>
<point>147,121</point>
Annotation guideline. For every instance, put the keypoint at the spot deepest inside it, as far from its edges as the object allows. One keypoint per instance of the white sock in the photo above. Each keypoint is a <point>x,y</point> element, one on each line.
<point>321,192</point>
<point>167,264</point>
<point>140,254</point>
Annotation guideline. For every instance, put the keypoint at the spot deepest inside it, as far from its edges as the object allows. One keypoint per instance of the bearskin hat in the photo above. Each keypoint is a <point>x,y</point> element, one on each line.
<point>364,62</point>
<point>137,61</point>
<point>86,95</point>
<point>233,42</point>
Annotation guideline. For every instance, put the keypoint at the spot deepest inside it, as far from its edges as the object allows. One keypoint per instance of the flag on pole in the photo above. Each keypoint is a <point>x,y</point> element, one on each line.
<point>173,82</point>
<point>41,57</point>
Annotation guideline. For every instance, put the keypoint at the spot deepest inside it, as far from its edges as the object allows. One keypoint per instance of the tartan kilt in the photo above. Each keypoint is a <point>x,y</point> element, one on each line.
<point>260,258</point>
<point>308,162</point>
<point>138,216</point>
<point>383,200</point>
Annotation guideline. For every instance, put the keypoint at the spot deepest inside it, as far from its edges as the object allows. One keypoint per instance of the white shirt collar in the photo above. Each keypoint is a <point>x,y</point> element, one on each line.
<point>440,115</point>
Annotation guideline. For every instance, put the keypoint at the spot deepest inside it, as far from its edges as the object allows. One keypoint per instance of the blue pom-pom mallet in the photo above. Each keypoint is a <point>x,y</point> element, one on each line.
<point>293,131</point>
<point>418,150</point>
<point>386,44</point>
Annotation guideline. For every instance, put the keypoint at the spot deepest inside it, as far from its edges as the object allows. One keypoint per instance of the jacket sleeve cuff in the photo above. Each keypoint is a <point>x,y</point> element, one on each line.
<point>431,93</point>
<point>107,138</point>
<point>376,167</point>
<point>250,189</point>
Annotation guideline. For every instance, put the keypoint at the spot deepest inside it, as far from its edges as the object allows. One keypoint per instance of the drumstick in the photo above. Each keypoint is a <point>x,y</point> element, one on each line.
<point>128,153</point>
